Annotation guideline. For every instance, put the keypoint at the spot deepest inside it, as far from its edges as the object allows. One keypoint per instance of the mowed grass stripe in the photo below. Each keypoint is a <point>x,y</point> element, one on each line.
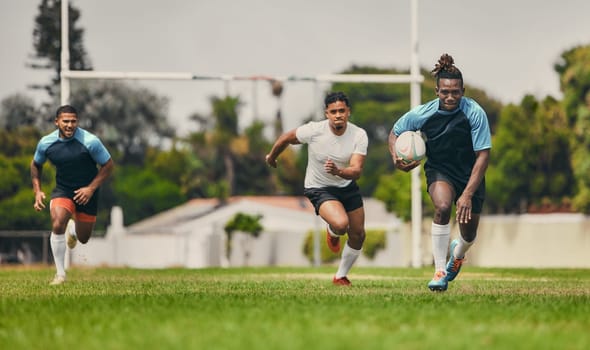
<point>293,308</point>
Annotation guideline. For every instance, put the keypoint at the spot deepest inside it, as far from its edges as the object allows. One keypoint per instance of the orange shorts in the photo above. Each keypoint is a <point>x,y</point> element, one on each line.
<point>70,206</point>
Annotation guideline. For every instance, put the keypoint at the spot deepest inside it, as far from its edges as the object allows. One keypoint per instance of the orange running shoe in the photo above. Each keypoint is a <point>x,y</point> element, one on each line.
<point>342,281</point>
<point>333,242</point>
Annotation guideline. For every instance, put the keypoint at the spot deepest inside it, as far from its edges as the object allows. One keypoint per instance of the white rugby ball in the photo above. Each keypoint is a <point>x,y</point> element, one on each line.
<point>410,146</point>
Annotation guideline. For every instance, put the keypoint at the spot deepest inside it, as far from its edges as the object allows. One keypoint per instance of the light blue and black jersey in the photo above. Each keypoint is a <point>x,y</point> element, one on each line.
<point>75,159</point>
<point>452,137</point>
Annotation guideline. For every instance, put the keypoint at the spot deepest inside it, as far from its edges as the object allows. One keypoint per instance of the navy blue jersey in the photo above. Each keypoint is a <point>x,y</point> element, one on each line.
<point>452,137</point>
<point>75,159</point>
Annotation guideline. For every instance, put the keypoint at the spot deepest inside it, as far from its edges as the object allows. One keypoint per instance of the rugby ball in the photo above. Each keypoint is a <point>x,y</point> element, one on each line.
<point>410,146</point>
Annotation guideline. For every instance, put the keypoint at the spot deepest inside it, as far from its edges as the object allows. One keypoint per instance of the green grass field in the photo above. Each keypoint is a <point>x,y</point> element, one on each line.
<point>293,308</point>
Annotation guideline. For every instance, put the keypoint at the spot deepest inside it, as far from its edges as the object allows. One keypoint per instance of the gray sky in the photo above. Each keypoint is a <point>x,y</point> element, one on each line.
<point>506,47</point>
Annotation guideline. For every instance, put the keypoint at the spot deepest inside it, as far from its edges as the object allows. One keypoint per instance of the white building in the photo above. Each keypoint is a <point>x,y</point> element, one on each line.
<point>192,235</point>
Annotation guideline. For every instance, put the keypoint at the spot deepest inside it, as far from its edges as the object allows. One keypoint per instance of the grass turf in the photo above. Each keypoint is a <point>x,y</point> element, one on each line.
<point>293,308</point>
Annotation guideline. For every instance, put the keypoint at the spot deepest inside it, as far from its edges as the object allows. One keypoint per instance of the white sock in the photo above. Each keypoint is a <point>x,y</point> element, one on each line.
<point>58,248</point>
<point>332,233</point>
<point>349,256</point>
<point>440,245</point>
<point>462,247</point>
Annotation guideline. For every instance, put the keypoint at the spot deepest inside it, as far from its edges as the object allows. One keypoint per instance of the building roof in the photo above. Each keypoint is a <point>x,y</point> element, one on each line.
<point>198,209</point>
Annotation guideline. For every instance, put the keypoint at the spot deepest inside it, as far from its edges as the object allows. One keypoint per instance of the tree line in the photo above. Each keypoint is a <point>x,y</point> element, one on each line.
<point>539,160</point>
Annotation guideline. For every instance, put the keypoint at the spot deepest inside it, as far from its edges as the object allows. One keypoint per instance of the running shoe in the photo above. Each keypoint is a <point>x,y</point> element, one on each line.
<point>439,282</point>
<point>71,239</point>
<point>57,280</point>
<point>333,242</point>
<point>342,281</point>
<point>454,264</point>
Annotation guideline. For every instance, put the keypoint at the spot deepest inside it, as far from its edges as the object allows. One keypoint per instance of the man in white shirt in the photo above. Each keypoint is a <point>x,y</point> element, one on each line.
<point>336,155</point>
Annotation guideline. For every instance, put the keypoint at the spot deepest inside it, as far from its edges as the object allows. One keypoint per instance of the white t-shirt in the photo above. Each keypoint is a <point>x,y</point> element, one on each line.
<point>324,145</point>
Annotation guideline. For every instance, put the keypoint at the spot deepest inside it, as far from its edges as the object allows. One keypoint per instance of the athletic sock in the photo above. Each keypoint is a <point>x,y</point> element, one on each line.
<point>462,248</point>
<point>440,245</point>
<point>58,248</point>
<point>332,233</point>
<point>349,256</point>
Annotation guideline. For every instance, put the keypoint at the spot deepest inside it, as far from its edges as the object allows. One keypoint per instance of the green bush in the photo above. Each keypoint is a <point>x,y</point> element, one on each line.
<point>143,193</point>
<point>245,223</point>
<point>374,241</point>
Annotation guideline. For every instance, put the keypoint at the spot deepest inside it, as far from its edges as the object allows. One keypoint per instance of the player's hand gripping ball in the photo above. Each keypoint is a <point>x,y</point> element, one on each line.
<point>410,146</point>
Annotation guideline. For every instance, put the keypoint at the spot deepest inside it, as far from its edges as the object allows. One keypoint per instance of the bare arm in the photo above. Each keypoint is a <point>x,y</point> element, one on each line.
<point>351,172</point>
<point>286,139</point>
<point>36,171</point>
<point>84,194</point>
<point>477,173</point>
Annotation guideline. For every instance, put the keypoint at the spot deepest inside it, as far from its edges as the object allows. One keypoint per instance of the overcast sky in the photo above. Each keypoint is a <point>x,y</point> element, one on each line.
<point>506,47</point>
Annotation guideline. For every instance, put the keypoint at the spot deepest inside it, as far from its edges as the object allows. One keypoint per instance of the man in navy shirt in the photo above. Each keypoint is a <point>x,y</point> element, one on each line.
<point>458,144</point>
<point>82,164</point>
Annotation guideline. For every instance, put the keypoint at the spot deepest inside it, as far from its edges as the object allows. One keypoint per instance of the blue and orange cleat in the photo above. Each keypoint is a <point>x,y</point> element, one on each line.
<point>454,264</point>
<point>439,282</point>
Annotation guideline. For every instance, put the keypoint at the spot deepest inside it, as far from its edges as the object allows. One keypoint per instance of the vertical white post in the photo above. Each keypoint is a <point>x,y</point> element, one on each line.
<point>65,53</point>
<point>415,101</point>
<point>255,99</point>
<point>317,258</point>
<point>226,86</point>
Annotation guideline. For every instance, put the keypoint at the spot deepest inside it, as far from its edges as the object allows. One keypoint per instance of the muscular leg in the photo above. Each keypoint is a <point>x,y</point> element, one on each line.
<point>469,230</point>
<point>468,234</point>
<point>57,240</point>
<point>59,219</point>
<point>84,230</point>
<point>356,231</point>
<point>335,215</point>
<point>441,194</point>
<point>356,237</point>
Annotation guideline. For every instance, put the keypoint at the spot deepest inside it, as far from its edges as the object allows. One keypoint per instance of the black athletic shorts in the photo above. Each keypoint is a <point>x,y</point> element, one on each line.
<point>349,196</point>
<point>90,208</point>
<point>478,197</point>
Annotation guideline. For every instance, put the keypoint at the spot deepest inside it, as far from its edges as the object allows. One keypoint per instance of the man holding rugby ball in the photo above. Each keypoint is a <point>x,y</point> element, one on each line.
<point>458,144</point>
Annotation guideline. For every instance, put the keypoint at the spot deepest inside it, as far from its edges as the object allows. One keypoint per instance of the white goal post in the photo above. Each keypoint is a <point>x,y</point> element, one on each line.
<point>414,79</point>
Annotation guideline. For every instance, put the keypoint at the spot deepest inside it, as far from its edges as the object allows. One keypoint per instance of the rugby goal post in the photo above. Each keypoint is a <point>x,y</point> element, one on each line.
<point>414,79</point>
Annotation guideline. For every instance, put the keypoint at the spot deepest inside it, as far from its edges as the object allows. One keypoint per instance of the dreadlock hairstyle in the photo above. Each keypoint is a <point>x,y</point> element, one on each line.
<point>446,69</point>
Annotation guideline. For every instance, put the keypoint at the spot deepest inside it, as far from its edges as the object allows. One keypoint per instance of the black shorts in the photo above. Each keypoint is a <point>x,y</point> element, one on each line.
<point>349,196</point>
<point>91,208</point>
<point>478,197</point>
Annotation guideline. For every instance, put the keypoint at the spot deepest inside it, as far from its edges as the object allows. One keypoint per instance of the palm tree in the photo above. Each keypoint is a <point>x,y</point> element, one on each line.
<point>277,91</point>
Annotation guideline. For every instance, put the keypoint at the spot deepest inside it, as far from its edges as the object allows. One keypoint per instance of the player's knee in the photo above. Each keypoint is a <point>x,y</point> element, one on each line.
<point>356,238</point>
<point>83,240</point>
<point>357,235</point>
<point>339,227</point>
<point>58,228</point>
<point>442,210</point>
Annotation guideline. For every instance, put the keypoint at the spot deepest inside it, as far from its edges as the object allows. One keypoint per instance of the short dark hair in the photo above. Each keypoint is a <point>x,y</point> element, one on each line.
<point>65,109</point>
<point>334,97</point>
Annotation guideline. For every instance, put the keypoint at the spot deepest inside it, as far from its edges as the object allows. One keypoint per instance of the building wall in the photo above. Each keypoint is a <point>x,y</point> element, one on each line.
<point>531,241</point>
<point>522,241</point>
<point>535,240</point>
